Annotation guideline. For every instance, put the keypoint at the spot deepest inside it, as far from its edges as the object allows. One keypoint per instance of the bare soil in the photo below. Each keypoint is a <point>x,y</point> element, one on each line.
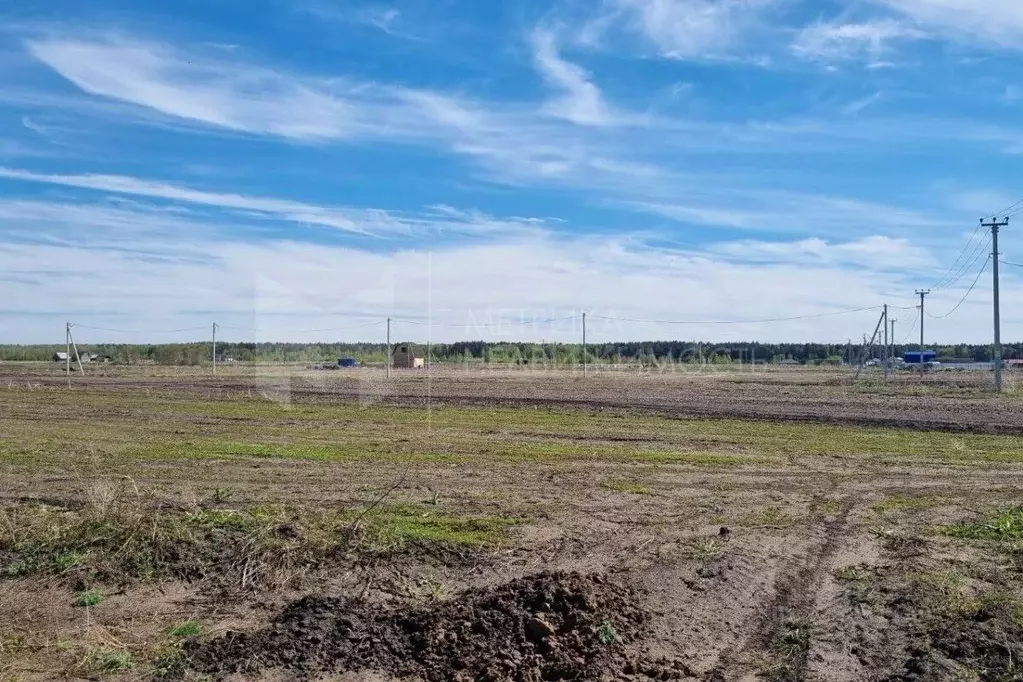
<point>944,401</point>
<point>826,565</point>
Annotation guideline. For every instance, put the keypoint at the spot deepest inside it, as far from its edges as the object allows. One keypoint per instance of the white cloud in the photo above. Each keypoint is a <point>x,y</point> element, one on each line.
<point>193,87</point>
<point>841,41</point>
<point>792,212</point>
<point>859,105</point>
<point>364,221</point>
<point>582,101</point>
<point>695,29</point>
<point>878,253</point>
<point>982,21</point>
<point>278,287</point>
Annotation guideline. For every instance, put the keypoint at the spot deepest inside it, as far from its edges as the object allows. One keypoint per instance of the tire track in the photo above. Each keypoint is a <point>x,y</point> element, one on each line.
<point>787,619</point>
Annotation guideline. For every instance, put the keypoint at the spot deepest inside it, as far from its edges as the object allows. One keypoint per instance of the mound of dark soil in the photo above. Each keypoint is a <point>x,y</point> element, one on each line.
<point>550,626</point>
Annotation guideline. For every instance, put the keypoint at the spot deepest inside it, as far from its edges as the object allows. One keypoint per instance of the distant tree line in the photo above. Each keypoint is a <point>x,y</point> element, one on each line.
<point>642,352</point>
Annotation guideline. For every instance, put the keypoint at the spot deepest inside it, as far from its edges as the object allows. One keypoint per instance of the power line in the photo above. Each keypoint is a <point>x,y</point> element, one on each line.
<point>963,300</point>
<point>968,264</point>
<point>773,319</point>
<point>959,257</point>
<point>1016,208</point>
<point>912,327</point>
<point>474,325</point>
<point>137,331</point>
<point>303,331</point>
<point>1015,265</point>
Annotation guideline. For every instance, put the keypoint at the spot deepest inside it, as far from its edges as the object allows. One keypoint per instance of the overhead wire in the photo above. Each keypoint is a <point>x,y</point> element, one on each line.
<point>523,323</point>
<point>967,266</point>
<point>912,328</point>
<point>958,259</point>
<point>137,331</point>
<point>760,321</point>
<point>304,331</point>
<point>1015,209</point>
<point>966,296</point>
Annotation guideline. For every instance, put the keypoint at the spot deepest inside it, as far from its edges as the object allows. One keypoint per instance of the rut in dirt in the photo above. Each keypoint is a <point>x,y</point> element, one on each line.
<point>550,626</point>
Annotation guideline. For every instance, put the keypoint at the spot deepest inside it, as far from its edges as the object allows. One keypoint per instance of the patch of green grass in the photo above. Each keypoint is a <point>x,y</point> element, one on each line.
<point>103,661</point>
<point>904,502</point>
<point>621,486</point>
<point>771,516</point>
<point>133,425</point>
<point>186,629</point>
<point>707,548</point>
<point>858,587</point>
<point>791,648</point>
<point>830,507</point>
<point>854,573</point>
<point>608,635</point>
<point>88,598</point>
<point>65,561</point>
<point>1008,525</point>
<point>130,538</point>
<point>393,527</point>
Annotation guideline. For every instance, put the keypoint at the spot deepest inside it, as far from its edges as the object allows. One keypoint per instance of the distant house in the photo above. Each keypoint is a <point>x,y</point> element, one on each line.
<point>60,357</point>
<point>920,357</point>
<point>406,356</point>
<point>1014,364</point>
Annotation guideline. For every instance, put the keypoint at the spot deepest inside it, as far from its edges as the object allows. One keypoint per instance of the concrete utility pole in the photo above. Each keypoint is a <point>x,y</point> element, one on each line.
<point>885,352</point>
<point>891,355</point>
<point>67,355</point>
<point>584,345</point>
<point>214,349</point>
<point>995,225</point>
<point>388,348</point>
<point>922,293</point>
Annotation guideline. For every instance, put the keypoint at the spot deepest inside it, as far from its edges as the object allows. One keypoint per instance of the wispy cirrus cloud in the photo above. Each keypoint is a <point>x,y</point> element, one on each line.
<point>361,221</point>
<point>837,41</point>
<point>991,21</point>
<point>581,101</point>
<point>199,88</point>
<point>695,29</point>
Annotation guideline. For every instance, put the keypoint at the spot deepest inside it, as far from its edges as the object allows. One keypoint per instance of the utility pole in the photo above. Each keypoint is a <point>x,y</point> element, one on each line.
<point>388,348</point>
<point>891,355</point>
<point>922,293</point>
<point>67,355</point>
<point>584,345</point>
<point>885,353</point>
<point>214,349</point>
<point>995,225</point>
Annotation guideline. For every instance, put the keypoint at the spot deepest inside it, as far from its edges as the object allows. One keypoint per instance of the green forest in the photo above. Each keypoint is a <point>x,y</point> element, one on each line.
<point>649,353</point>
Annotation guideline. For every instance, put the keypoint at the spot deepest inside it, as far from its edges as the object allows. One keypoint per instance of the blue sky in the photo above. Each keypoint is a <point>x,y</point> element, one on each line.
<point>288,166</point>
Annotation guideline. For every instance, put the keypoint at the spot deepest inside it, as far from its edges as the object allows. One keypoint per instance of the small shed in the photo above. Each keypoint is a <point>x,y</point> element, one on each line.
<point>347,362</point>
<point>60,357</point>
<point>406,356</point>
<point>920,357</point>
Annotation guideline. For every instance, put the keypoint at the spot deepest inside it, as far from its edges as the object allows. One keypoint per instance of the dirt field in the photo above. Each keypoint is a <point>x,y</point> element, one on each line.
<point>284,524</point>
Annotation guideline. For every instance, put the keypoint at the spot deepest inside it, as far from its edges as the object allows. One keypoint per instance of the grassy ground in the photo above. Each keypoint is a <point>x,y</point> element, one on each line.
<point>46,429</point>
<point>135,519</point>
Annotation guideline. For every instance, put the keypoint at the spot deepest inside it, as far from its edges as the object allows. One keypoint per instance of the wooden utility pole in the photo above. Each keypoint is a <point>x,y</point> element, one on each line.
<point>995,225</point>
<point>67,355</point>
<point>388,348</point>
<point>214,349</point>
